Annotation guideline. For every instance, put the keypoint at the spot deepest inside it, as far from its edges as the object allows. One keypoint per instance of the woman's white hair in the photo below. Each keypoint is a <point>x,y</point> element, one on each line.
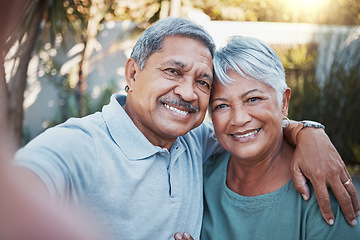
<point>252,58</point>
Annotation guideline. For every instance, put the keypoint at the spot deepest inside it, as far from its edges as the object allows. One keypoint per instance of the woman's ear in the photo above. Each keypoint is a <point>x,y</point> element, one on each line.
<point>285,102</point>
<point>131,69</point>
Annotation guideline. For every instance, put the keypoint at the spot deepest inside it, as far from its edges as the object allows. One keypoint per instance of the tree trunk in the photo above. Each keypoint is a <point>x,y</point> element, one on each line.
<point>175,8</point>
<point>3,87</point>
<point>81,84</point>
<point>3,108</point>
<point>17,85</point>
<point>97,12</point>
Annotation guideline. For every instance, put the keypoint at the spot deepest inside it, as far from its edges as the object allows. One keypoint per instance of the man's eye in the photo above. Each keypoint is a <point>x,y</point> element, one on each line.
<point>204,86</point>
<point>172,71</point>
<point>204,83</point>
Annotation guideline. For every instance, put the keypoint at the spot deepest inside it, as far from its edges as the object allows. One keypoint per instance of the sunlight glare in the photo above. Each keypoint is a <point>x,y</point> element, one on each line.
<point>305,4</point>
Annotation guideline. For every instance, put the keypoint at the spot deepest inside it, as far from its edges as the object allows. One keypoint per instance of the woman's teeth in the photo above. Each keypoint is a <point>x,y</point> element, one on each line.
<point>247,134</point>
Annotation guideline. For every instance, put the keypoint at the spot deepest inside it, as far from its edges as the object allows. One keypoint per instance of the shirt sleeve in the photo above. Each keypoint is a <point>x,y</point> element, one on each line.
<point>64,158</point>
<point>317,228</point>
<point>210,145</point>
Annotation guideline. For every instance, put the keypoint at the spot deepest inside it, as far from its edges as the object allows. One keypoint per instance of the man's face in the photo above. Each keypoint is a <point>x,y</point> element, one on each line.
<point>169,97</point>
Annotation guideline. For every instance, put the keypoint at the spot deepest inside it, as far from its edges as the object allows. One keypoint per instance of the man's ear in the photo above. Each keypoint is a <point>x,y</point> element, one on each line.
<point>285,102</point>
<point>131,69</point>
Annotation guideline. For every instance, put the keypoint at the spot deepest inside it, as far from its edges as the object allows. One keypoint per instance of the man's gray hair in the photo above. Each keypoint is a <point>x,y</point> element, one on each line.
<point>253,58</point>
<point>152,39</point>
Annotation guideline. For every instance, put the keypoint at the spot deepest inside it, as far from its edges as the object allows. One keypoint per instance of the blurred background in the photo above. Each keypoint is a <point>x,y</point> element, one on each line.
<point>66,58</point>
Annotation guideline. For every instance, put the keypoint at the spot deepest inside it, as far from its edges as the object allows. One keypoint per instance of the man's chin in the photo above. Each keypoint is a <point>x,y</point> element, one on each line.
<point>176,131</point>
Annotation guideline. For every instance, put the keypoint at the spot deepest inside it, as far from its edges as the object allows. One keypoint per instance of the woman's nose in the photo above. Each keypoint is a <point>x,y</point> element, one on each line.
<point>239,116</point>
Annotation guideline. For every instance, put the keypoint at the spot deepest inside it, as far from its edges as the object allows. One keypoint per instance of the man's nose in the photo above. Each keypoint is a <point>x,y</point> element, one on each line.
<point>186,89</point>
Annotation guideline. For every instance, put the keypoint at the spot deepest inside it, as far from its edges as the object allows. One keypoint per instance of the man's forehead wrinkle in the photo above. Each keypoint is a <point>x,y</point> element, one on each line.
<point>176,63</point>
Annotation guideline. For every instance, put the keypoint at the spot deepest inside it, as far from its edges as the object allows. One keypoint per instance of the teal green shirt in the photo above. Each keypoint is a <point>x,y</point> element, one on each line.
<point>282,214</point>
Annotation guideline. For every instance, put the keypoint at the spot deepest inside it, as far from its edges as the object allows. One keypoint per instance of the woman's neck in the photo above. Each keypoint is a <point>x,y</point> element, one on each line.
<point>261,176</point>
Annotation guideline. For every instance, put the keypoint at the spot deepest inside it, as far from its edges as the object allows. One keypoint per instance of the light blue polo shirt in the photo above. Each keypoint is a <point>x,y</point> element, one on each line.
<point>133,189</point>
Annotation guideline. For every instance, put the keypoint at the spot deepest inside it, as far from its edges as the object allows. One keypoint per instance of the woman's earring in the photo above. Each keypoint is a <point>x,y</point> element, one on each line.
<point>127,88</point>
<point>286,122</point>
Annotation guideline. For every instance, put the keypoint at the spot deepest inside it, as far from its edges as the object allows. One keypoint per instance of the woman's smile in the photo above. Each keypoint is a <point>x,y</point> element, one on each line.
<point>245,136</point>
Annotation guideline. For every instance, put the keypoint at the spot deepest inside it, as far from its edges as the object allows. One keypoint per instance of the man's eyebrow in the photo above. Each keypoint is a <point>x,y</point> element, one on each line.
<point>175,62</point>
<point>183,66</point>
<point>208,76</point>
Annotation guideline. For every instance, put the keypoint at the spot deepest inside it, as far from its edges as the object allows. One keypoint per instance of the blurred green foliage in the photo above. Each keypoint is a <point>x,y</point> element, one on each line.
<point>333,12</point>
<point>336,103</point>
<point>69,104</point>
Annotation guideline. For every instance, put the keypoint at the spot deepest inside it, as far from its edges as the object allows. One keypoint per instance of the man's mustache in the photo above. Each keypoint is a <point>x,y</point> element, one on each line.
<point>181,103</point>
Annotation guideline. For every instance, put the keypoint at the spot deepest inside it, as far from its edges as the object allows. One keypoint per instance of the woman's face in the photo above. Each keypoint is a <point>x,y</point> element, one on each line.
<point>247,117</point>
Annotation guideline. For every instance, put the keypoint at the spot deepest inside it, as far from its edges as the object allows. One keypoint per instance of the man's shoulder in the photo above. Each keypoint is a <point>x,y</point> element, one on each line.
<point>72,133</point>
<point>205,129</point>
<point>198,137</point>
<point>87,123</point>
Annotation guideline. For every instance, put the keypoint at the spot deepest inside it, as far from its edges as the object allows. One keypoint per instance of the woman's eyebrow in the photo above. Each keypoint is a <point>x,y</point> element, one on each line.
<point>243,95</point>
<point>217,99</point>
<point>250,91</point>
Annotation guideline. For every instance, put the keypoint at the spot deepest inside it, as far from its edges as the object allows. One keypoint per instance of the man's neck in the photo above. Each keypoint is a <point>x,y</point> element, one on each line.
<point>156,140</point>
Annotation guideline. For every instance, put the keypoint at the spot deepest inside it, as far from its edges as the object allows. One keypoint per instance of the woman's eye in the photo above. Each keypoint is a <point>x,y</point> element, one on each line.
<point>220,106</point>
<point>253,99</point>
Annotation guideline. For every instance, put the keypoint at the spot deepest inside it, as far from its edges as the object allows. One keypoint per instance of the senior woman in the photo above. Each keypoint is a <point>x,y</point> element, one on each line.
<point>248,190</point>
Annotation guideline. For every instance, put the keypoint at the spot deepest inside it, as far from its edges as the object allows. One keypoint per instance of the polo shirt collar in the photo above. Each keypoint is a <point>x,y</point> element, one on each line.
<point>124,132</point>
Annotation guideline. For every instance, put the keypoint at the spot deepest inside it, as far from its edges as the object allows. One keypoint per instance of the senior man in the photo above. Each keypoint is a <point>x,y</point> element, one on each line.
<point>136,166</point>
